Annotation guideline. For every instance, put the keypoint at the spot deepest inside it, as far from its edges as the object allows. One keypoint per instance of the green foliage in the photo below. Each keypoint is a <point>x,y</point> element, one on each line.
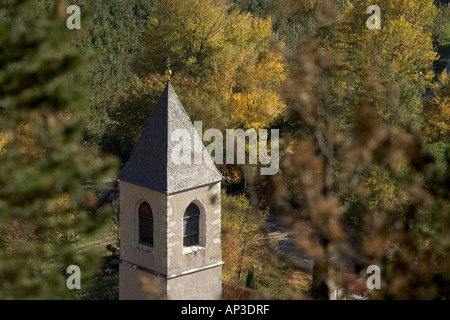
<point>110,33</point>
<point>440,30</point>
<point>439,151</point>
<point>106,288</point>
<point>43,163</point>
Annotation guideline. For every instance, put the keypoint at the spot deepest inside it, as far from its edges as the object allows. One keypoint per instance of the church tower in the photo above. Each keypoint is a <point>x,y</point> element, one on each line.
<point>170,234</point>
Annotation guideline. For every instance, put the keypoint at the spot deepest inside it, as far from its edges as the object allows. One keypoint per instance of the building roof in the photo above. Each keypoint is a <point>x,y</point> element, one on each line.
<point>150,164</point>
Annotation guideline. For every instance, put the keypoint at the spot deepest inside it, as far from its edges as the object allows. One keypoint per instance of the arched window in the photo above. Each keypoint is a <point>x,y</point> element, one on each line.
<point>145,224</point>
<point>191,221</point>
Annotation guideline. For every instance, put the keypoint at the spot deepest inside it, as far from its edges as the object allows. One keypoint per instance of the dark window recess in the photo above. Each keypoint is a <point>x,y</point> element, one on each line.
<point>145,225</point>
<point>191,221</point>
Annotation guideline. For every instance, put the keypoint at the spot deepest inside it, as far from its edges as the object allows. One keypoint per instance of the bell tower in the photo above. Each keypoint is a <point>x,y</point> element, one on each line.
<point>170,231</point>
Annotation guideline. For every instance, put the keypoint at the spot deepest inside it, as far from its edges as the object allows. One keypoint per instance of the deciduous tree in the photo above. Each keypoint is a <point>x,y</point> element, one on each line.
<point>404,221</point>
<point>399,56</point>
<point>243,232</point>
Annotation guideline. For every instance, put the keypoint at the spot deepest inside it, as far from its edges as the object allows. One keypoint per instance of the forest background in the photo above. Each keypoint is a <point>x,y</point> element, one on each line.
<point>363,114</point>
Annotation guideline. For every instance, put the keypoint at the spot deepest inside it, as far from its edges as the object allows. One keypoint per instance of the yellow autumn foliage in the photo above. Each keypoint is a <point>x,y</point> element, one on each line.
<point>242,236</point>
<point>437,110</point>
<point>61,203</point>
<point>3,140</point>
<point>232,56</point>
<point>398,57</point>
<point>402,39</point>
<point>247,75</point>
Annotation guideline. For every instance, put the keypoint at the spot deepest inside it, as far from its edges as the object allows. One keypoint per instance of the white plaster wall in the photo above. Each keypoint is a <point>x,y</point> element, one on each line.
<point>209,251</point>
<point>168,256</point>
<point>202,285</point>
<point>130,197</point>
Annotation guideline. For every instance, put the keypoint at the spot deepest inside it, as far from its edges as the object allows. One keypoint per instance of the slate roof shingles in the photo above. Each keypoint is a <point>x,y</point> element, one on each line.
<point>150,163</point>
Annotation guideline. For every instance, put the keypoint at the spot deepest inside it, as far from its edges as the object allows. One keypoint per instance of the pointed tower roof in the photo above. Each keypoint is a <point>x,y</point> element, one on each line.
<point>150,163</point>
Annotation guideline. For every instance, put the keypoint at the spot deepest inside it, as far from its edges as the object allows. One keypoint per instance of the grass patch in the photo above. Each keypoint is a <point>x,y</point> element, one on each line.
<point>103,288</point>
<point>107,230</point>
<point>283,281</point>
<point>105,285</point>
<point>279,279</point>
